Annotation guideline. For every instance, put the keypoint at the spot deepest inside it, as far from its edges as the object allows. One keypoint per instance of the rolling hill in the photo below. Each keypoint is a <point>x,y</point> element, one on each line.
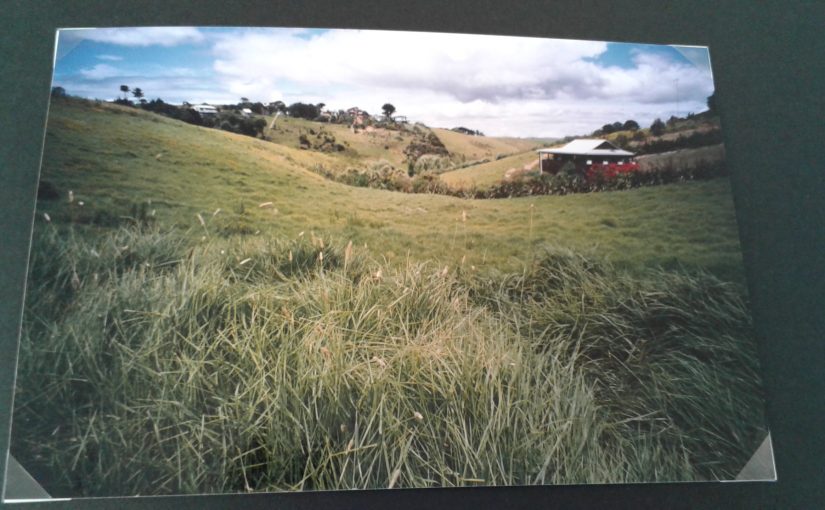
<point>115,159</point>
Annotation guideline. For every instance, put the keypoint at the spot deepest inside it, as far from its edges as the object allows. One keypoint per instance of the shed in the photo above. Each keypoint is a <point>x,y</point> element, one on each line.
<point>583,153</point>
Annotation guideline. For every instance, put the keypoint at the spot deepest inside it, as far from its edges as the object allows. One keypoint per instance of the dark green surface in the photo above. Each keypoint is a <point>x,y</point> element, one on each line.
<point>768,66</point>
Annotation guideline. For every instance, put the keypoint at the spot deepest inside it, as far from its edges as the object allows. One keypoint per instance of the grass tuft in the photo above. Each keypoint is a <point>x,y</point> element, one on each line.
<point>152,365</point>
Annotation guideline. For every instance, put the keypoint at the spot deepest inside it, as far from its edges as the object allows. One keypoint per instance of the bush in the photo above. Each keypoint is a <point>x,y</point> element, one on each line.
<point>692,141</point>
<point>433,163</point>
<point>303,111</point>
<point>425,142</point>
<point>600,178</point>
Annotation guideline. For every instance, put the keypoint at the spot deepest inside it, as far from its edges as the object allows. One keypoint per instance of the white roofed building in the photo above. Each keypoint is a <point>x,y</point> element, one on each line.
<point>205,109</point>
<point>583,153</point>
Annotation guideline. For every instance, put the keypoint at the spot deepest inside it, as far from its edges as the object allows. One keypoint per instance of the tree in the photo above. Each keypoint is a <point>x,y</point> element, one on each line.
<point>277,106</point>
<point>303,111</point>
<point>388,110</point>
<point>244,100</point>
<point>657,128</point>
<point>124,89</point>
<point>607,129</point>
<point>630,125</point>
<point>137,93</point>
<point>58,92</point>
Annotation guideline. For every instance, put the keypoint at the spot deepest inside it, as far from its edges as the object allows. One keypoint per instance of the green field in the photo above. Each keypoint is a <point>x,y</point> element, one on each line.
<point>488,174</point>
<point>113,158</point>
<point>207,314</point>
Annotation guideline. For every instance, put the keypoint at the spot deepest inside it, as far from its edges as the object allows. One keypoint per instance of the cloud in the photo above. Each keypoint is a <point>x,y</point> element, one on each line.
<point>139,36</point>
<point>467,67</point>
<point>100,72</point>
<point>505,85</point>
<point>113,58</point>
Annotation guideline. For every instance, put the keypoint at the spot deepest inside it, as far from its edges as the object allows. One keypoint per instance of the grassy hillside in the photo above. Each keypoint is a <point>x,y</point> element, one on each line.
<point>374,143</point>
<point>476,148</point>
<point>363,145</point>
<point>113,158</point>
<point>488,174</point>
<point>180,338</point>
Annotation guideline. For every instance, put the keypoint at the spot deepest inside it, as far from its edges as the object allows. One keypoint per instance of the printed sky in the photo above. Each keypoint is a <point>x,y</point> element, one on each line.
<point>503,86</point>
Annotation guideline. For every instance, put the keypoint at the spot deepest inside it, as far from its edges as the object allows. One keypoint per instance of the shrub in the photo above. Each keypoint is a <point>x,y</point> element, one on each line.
<point>433,163</point>
<point>692,141</point>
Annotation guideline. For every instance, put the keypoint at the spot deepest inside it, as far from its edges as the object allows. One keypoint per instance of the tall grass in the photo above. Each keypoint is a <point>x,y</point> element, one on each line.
<point>153,365</point>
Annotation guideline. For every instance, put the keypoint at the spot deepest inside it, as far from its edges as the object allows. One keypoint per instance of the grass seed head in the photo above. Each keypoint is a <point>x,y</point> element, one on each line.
<point>348,253</point>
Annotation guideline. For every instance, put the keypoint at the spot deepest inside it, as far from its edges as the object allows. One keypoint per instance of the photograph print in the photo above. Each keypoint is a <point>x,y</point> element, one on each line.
<point>278,259</point>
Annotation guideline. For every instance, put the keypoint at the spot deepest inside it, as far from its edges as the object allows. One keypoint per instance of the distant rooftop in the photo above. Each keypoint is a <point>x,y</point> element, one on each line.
<point>588,147</point>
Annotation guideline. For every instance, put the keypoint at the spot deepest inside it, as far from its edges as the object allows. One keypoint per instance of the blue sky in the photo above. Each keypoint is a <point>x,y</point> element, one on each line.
<point>514,86</point>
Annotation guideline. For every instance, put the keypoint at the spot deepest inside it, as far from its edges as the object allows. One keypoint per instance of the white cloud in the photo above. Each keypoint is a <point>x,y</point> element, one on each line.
<point>466,66</point>
<point>501,85</point>
<point>113,58</point>
<point>100,72</point>
<point>139,36</point>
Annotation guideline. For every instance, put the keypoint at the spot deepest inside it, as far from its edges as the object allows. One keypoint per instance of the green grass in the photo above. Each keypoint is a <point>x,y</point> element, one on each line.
<point>178,338</point>
<point>109,157</point>
<point>152,366</point>
<point>475,148</point>
<point>488,174</point>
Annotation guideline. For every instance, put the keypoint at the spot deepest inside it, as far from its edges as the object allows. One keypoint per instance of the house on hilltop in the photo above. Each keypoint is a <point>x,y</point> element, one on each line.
<point>359,117</point>
<point>205,110</point>
<point>583,153</point>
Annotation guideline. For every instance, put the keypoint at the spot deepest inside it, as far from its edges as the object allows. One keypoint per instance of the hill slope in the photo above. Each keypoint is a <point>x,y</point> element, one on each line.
<point>373,143</point>
<point>114,158</point>
<point>488,174</point>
